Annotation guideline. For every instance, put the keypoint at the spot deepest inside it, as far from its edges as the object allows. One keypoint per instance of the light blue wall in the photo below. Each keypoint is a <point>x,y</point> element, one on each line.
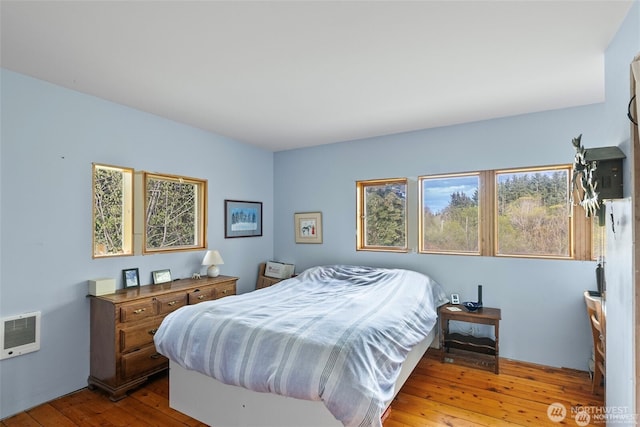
<point>543,317</point>
<point>618,57</point>
<point>50,137</point>
<point>620,359</point>
<point>543,313</point>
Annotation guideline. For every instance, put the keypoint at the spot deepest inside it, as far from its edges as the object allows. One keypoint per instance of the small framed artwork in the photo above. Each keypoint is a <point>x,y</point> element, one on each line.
<point>308,227</point>
<point>161,276</point>
<point>242,219</point>
<point>131,278</point>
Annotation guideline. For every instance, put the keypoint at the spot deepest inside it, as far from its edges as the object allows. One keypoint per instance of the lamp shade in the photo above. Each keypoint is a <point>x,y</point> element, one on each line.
<point>212,259</point>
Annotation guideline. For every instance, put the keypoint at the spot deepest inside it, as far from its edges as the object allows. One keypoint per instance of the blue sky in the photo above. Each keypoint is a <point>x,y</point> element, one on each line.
<point>437,192</point>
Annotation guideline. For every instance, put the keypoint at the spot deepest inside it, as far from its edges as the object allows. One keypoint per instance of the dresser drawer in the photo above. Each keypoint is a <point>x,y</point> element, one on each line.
<point>225,290</point>
<point>144,360</point>
<point>138,336</point>
<point>137,311</point>
<point>167,304</point>
<point>202,294</point>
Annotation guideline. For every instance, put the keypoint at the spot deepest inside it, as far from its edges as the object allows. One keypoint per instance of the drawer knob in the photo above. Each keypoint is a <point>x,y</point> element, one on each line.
<point>138,311</point>
<point>172,303</point>
<point>156,356</point>
<point>153,331</point>
<point>201,297</point>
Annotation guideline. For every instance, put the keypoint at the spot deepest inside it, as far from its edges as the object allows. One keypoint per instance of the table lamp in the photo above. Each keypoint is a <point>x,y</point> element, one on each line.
<point>212,259</point>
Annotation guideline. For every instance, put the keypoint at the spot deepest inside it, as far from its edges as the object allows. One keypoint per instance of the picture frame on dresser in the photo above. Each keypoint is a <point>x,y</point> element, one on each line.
<point>130,278</point>
<point>242,219</point>
<point>161,276</point>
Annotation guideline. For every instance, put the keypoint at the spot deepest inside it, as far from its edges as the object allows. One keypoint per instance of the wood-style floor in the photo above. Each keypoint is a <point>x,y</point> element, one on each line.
<point>436,394</point>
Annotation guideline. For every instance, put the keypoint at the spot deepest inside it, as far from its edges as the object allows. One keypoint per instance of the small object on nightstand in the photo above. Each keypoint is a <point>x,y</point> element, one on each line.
<point>455,299</point>
<point>279,270</point>
<point>265,281</point>
<point>472,306</point>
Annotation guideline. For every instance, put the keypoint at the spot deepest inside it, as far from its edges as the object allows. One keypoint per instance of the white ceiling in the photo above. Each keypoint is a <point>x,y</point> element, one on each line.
<point>288,74</point>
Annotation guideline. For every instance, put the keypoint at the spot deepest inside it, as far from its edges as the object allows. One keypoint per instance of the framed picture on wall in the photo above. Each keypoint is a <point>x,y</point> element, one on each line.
<point>242,219</point>
<point>308,227</point>
<point>131,277</point>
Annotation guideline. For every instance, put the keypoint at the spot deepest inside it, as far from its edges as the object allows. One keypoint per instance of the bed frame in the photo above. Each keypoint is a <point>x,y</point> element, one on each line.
<point>221,405</point>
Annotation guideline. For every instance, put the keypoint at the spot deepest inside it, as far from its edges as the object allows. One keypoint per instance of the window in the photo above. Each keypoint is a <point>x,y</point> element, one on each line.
<point>175,213</point>
<point>112,211</point>
<point>382,215</point>
<point>532,207</point>
<point>521,212</point>
<point>449,213</point>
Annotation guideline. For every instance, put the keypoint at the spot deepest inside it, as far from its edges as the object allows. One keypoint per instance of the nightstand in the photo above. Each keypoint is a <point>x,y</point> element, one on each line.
<point>468,349</point>
<point>265,281</point>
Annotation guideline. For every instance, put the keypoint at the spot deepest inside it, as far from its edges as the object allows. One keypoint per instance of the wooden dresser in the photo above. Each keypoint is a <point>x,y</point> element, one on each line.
<point>123,324</point>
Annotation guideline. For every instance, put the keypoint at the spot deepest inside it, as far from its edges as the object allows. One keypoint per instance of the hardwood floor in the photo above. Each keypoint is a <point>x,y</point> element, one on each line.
<point>443,394</point>
<point>436,394</point>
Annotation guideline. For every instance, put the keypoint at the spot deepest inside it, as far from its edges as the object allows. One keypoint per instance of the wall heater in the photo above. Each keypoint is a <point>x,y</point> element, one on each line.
<point>19,335</point>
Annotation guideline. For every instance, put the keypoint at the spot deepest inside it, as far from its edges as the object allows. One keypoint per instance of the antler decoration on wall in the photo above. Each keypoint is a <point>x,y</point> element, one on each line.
<point>583,177</point>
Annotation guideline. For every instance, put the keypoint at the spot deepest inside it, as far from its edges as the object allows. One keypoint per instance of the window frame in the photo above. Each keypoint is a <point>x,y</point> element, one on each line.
<point>200,222</point>
<point>421,221</point>
<point>361,217</point>
<point>127,212</point>
<point>580,226</point>
<point>570,221</point>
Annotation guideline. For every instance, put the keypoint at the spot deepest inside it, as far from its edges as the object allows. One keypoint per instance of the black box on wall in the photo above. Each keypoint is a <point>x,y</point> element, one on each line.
<point>608,173</point>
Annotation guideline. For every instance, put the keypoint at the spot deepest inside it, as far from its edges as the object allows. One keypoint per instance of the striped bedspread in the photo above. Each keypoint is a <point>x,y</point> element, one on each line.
<point>334,333</point>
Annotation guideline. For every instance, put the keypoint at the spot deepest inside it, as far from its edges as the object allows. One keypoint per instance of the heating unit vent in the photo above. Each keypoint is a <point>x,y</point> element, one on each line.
<point>19,334</point>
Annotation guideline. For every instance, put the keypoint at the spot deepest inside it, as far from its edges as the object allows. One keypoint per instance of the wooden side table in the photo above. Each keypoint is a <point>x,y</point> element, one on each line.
<point>468,349</point>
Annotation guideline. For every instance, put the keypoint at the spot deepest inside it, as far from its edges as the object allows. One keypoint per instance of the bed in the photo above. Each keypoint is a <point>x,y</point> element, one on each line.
<point>331,346</point>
